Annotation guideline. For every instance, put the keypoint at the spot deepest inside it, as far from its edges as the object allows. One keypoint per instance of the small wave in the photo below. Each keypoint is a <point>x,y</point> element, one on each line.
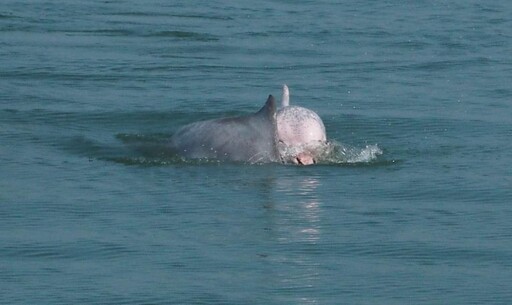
<point>151,150</point>
<point>337,153</point>
<point>7,16</point>
<point>128,138</point>
<point>184,35</point>
<point>145,161</point>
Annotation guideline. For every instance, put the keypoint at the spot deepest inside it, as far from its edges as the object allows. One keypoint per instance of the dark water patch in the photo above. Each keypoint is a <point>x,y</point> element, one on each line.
<point>136,149</point>
<point>159,120</point>
<point>443,65</point>
<point>179,35</point>
<point>417,66</point>
<point>60,76</point>
<point>142,138</point>
<point>429,253</point>
<point>170,14</point>
<point>184,35</point>
<point>416,45</point>
<point>499,93</point>
<point>254,34</point>
<point>205,16</point>
<point>83,146</point>
<point>187,56</point>
<point>399,124</point>
<point>139,14</point>
<point>38,116</point>
<point>108,32</point>
<point>8,16</point>
<point>78,250</point>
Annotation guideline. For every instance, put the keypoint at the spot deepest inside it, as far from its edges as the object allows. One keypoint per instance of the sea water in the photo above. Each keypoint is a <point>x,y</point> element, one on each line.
<point>414,208</point>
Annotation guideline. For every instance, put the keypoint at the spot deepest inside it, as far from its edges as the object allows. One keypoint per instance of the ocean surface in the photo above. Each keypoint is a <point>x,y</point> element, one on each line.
<point>416,209</point>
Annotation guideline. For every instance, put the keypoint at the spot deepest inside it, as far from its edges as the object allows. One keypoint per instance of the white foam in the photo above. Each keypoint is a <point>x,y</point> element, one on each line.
<point>337,153</point>
<point>332,153</point>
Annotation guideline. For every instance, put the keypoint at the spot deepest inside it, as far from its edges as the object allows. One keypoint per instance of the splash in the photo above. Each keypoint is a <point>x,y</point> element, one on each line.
<point>337,153</point>
<point>332,152</point>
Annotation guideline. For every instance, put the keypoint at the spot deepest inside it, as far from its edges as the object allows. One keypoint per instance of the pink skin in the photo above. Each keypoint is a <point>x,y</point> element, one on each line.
<point>303,159</point>
<point>299,128</point>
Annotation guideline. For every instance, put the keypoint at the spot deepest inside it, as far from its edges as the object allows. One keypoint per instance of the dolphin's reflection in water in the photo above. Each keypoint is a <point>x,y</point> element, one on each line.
<point>310,208</point>
<point>301,207</point>
<point>297,236</point>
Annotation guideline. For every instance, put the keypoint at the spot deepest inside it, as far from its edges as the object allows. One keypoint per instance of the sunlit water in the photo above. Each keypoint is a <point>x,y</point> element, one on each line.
<point>410,204</point>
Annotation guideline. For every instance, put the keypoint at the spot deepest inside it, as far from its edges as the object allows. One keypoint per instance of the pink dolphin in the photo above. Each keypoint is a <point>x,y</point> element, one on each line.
<point>300,132</point>
<point>291,135</point>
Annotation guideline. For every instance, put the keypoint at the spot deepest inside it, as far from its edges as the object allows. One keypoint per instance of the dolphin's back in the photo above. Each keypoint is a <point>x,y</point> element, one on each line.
<point>251,138</point>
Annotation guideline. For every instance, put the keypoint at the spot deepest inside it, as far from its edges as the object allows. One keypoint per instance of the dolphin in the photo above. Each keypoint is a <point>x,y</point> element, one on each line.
<point>300,131</point>
<point>250,138</point>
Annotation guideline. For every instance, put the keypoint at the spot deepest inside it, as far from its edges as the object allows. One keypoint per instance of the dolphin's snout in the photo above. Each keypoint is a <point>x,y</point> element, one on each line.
<point>304,159</point>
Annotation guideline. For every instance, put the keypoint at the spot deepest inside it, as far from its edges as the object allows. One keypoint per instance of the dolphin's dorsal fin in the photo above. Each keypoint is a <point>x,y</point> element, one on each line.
<point>268,112</point>
<point>269,109</point>
<point>285,100</point>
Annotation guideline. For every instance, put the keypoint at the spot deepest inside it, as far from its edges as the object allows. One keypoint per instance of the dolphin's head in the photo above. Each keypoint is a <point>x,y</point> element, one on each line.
<point>300,133</point>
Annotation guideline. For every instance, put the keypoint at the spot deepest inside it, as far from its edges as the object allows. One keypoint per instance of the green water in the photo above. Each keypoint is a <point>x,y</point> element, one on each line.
<point>93,210</point>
